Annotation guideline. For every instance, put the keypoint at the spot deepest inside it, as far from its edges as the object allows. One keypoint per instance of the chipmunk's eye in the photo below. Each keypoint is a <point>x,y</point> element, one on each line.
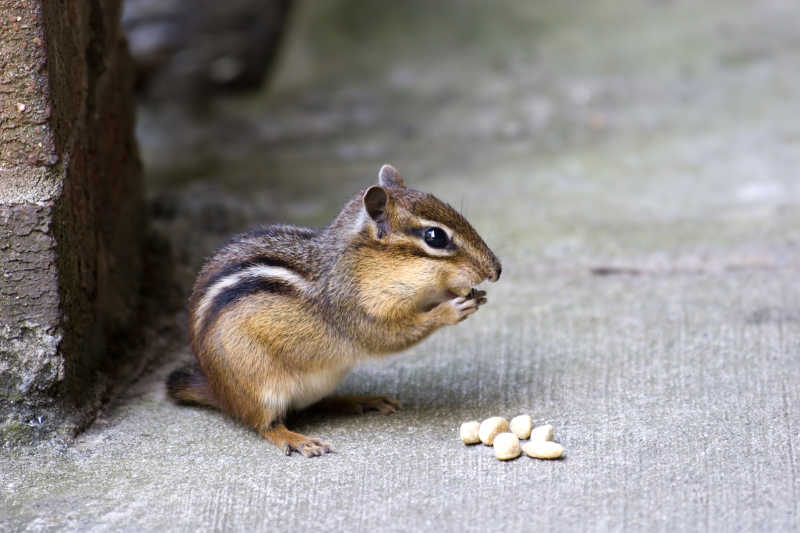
<point>436,237</point>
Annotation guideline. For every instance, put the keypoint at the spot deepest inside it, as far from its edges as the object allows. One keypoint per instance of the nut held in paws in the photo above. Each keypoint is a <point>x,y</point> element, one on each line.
<point>490,428</point>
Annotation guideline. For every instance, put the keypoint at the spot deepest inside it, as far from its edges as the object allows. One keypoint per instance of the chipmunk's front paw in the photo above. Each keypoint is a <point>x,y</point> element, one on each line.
<point>459,308</point>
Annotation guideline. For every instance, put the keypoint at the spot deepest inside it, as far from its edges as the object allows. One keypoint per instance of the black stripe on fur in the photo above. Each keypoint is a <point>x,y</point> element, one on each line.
<point>244,287</point>
<point>252,262</point>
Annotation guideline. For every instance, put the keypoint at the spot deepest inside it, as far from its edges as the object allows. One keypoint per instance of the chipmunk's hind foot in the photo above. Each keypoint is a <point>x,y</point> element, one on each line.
<point>290,441</point>
<point>356,405</point>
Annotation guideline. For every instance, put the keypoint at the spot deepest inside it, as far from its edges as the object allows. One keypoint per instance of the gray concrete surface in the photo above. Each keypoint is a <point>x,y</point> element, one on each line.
<point>633,164</point>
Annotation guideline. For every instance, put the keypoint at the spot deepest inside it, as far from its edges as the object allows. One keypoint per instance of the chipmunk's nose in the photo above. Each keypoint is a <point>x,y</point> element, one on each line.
<point>495,269</point>
<point>498,271</point>
<point>490,265</point>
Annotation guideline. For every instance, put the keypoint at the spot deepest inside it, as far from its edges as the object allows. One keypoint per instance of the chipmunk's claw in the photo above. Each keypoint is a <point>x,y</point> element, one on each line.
<point>314,448</point>
<point>290,441</point>
<point>466,305</point>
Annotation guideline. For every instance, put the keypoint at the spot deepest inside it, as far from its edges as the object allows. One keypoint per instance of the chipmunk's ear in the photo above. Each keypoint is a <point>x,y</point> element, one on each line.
<point>376,204</point>
<point>389,177</point>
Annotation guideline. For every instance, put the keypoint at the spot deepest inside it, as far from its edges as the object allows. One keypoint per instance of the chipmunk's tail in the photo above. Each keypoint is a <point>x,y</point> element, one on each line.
<point>190,386</point>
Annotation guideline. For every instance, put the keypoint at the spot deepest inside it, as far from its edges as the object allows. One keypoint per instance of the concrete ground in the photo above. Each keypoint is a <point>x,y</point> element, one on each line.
<point>634,165</point>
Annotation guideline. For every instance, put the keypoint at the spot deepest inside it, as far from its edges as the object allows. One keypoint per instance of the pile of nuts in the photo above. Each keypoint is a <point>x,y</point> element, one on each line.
<point>496,431</point>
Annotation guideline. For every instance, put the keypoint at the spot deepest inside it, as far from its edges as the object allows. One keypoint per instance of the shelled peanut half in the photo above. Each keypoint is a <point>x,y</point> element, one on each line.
<point>505,437</point>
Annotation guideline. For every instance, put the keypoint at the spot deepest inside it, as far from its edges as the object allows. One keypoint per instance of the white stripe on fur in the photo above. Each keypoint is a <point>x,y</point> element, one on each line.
<point>258,271</point>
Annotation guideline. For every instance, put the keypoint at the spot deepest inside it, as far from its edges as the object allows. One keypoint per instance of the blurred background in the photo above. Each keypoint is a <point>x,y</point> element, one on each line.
<point>560,126</point>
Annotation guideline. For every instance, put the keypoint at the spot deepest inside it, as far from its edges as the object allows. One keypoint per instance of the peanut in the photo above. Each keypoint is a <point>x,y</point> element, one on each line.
<point>544,432</point>
<point>469,432</point>
<point>543,449</point>
<point>490,428</point>
<point>521,426</point>
<point>506,446</point>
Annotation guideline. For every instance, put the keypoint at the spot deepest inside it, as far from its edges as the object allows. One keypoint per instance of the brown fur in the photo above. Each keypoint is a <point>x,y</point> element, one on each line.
<point>280,314</point>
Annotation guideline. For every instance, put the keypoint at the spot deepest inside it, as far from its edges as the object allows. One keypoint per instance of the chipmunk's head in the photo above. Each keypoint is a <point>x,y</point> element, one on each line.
<point>431,246</point>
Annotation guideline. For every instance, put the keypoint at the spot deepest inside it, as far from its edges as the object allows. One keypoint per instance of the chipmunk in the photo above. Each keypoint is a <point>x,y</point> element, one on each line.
<point>280,314</point>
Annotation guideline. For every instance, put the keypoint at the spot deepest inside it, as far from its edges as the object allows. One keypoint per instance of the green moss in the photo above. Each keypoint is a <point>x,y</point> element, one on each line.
<point>15,434</point>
